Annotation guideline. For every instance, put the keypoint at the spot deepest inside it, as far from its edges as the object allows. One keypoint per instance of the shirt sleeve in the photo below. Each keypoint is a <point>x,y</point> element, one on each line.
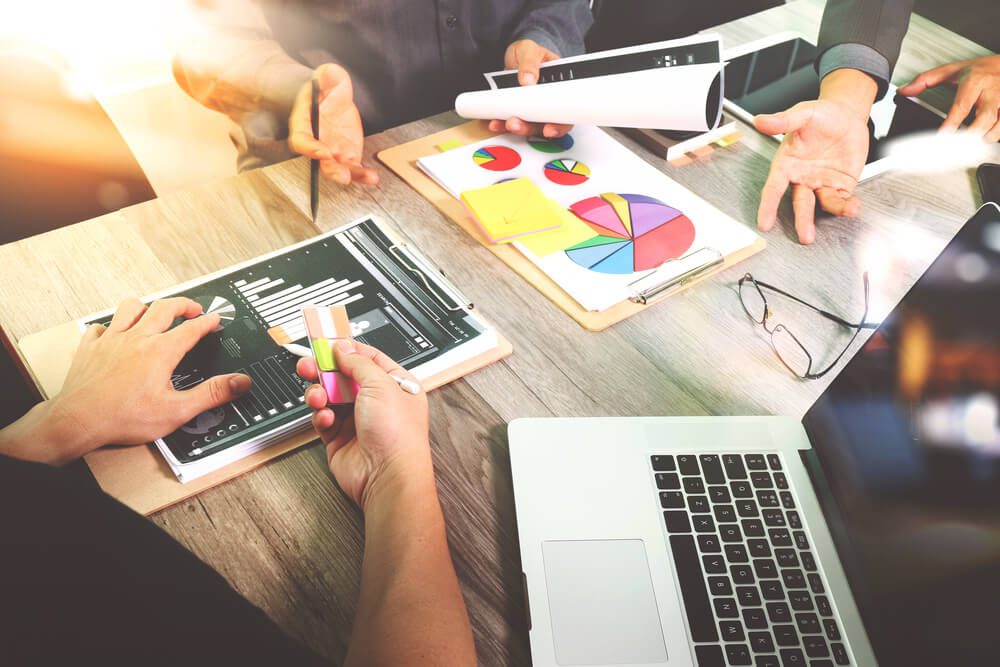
<point>863,34</point>
<point>558,25</point>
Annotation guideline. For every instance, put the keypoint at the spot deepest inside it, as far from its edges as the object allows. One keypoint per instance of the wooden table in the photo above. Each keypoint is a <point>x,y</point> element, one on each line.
<point>285,537</point>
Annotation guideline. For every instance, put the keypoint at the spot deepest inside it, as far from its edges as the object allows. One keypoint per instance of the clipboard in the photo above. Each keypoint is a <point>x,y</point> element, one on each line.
<point>139,476</point>
<point>402,160</point>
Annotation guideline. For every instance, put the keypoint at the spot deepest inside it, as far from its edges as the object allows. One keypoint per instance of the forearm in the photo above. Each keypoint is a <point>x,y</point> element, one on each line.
<point>46,435</point>
<point>853,90</point>
<point>411,610</point>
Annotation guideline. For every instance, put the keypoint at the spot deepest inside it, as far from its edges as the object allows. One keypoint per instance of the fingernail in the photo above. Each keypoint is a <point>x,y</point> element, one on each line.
<point>528,78</point>
<point>239,384</point>
<point>514,124</point>
<point>345,346</point>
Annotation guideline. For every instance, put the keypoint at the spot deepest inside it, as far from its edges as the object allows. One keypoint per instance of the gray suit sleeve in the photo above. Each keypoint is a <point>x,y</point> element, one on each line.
<point>558,25</point>
<point>865,35</point>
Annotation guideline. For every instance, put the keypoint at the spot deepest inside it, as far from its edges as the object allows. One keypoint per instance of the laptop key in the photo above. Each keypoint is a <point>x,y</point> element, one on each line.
<point>748,596</point>
<point>823,606</point>
<point>663,462</point>
<point>737,553</point>
<point>761,480</point>
<point>800,600</point>
<point>761,642</point>
<point>741,489</point>
<point>694,485</point>
<point>786,557</point>
<point>759,548</point>
<point>730,532</point>
<point>755,462</point>
<point>755,619</point>
<point>746,508</point>
<point>731,631</point>
<point>667,481</point>
<point>677,521</point>
<point>712,469</point>
<point>780,480</point>
<point>793,578</point>
<point>767,498</point>
<point>719,494</point>
<point>671,500</point>
<point>741,574</point>
<point>713,564</point>
<point>840,654</point>
<point>774,461</point>
<point>767,661</point>
<point>709,656</point>
<point>792,657</point>
<point>801,541</point>
<point>808,624</point>
<point>726,607</point>
<point>821,663</point>
<point>785,635</point>
<point>703,523</point>
<point>832,631</point>
<point>771,589</point>
<point>793,520</point>
<point>709,544</point>
<point>688,464</point>
<point>773,517</point>
<point>808,562</point>
<point>765,569</point>
<point>698,504</point>
<point>779,612</point>
<point>724,513</point>
<point>693,590</point>
<point>787,501</point>
<point>815,646</point>
<point>734,466</point>
<point>752,527</point>
<point>738,654</point>
<point>720,586</point>
<point>779,537</point>
<point>815,583</point>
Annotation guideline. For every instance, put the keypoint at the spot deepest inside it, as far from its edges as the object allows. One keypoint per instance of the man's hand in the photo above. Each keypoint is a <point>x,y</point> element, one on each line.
<point>822,153</point>
<point>978,82</point>
<point>385,439</point>
<point>527,56</point>
<point>118,389</point>
<point>341,137</point>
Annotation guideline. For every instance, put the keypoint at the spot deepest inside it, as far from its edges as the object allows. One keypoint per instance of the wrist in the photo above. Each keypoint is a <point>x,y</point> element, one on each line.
<point>852,90</point>
<point>401,482</point>
<point>47,434</point>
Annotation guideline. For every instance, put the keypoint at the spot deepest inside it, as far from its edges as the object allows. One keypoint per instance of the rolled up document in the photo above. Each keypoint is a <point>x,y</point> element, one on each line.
<point>675,85</point>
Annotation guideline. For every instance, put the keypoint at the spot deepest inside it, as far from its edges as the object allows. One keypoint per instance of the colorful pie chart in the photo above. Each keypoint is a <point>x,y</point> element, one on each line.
<point>567,172</point>
<point>553,145</point>
<point>634,233</point>
<point>497,158</point>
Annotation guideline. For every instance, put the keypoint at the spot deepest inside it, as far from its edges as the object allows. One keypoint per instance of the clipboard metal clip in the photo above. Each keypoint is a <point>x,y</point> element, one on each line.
<point>433,279</point>
<point>647,294</point>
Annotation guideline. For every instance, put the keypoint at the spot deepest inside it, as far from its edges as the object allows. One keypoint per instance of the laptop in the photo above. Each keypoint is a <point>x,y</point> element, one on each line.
<point>868,533</point>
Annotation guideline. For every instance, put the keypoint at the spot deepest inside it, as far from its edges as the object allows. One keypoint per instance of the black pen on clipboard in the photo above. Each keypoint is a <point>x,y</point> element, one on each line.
<point>314,164</point>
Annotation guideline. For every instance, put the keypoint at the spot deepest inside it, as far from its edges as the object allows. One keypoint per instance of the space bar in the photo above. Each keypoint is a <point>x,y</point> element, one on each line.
<point>692,580</point>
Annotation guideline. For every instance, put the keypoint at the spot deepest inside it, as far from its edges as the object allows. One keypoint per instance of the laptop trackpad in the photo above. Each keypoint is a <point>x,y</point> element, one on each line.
<point>601,603</point>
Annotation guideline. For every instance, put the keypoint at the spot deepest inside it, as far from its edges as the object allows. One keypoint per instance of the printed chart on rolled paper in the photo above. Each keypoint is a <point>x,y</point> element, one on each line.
<point>622,224</point>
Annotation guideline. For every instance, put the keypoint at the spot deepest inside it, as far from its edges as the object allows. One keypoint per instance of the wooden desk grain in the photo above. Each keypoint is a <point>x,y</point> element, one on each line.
<point>285,537</point>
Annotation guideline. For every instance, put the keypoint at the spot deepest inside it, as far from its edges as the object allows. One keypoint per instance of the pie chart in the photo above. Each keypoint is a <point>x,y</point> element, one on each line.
<point>567,172</point>
<point>497,158</point>
<point>553,145</point>
<point>634,233</point>
<point>220,305</point>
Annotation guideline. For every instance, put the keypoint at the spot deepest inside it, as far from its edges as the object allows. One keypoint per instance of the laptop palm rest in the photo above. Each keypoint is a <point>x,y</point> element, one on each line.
<point>601,603</point>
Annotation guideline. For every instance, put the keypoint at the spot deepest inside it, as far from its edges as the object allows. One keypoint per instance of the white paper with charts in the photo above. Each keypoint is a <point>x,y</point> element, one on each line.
<point>632,226</point>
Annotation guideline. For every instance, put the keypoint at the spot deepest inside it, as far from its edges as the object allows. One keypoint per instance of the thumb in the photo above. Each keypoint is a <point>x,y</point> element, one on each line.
<point>358,367</point>
<point>213,393</point>
<point>786,121</point>
<point>529,60</point>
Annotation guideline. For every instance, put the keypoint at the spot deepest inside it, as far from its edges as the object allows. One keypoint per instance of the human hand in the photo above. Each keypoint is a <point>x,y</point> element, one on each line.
<point>821,156</point>
<point>385,438</point>
<point>978,82</point>
<point>526,56</point>
<point>341,136</point>
<point>118,390</point>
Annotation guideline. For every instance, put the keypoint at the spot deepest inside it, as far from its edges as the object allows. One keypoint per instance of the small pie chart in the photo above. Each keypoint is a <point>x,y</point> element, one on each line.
<point>634,233</point>
<point>553,145</point>
<point>567,172</point>
<point>497,158</point>
<point>220,305</point>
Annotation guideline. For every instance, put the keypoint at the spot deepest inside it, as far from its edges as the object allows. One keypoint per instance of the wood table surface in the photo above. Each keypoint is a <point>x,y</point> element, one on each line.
<point>285,536</point>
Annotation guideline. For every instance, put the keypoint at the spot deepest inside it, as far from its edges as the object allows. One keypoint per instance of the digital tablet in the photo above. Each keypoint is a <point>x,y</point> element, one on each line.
<point>772,74</point>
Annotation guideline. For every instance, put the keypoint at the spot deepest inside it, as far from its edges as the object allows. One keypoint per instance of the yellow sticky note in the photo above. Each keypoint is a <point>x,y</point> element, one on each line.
<point>511,210</point>
<point>448,145</point>
<point>572,231</point>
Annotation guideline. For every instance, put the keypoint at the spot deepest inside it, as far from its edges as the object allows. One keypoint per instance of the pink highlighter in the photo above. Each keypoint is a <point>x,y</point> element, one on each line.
<point>325,327</point>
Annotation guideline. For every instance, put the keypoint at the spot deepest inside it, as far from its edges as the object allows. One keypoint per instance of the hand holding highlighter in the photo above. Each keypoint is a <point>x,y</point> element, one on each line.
<point>325,327</point>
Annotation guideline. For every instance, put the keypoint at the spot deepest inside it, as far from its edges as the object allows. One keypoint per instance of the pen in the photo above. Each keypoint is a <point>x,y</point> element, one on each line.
<point>314,164</point>
<point>409,386</point>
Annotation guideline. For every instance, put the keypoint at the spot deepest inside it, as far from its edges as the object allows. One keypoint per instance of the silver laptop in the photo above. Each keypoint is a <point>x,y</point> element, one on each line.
<point>868,533</point>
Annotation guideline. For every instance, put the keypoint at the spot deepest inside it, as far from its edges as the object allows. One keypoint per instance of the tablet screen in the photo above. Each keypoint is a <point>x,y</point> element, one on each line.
<point>780,76</point>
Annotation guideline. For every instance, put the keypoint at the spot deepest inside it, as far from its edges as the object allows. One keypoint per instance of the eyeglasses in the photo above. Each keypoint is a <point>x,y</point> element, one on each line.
<point>786,345</point>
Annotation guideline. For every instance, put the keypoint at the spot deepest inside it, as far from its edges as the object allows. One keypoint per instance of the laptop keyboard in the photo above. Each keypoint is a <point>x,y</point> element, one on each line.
<point>751,586</point>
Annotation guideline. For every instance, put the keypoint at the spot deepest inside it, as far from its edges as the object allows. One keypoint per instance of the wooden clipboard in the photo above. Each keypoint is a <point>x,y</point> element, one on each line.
<point>402,159</point>
<point>139,476</point>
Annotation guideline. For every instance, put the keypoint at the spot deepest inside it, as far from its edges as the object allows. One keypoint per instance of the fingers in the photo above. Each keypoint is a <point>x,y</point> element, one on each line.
<point>307,370</point>
<point>92,333</point>
<point>786,121</point>
<point>931,78</point>
<point>838,203</point>
<point>300,135</point>
<point>212,393</point>
<point>554,130</point>
<point>187,334</point>
<point>770,196</point>
<point>128,313</point>
<point>986,113</point>
<point>345,173</point>
<point>966,97</point>
<point>993,135</point>
<point>804,205</point>
<point>517,126</point>
<point>358,362</point>
<point>530,57</point>
<point>161,314</point>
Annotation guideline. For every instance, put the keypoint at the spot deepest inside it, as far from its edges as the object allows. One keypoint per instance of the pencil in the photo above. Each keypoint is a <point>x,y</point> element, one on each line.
<point>314,164</point>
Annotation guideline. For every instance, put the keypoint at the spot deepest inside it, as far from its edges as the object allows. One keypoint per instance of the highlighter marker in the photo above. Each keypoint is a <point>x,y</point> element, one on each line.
<point>325,327</point>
